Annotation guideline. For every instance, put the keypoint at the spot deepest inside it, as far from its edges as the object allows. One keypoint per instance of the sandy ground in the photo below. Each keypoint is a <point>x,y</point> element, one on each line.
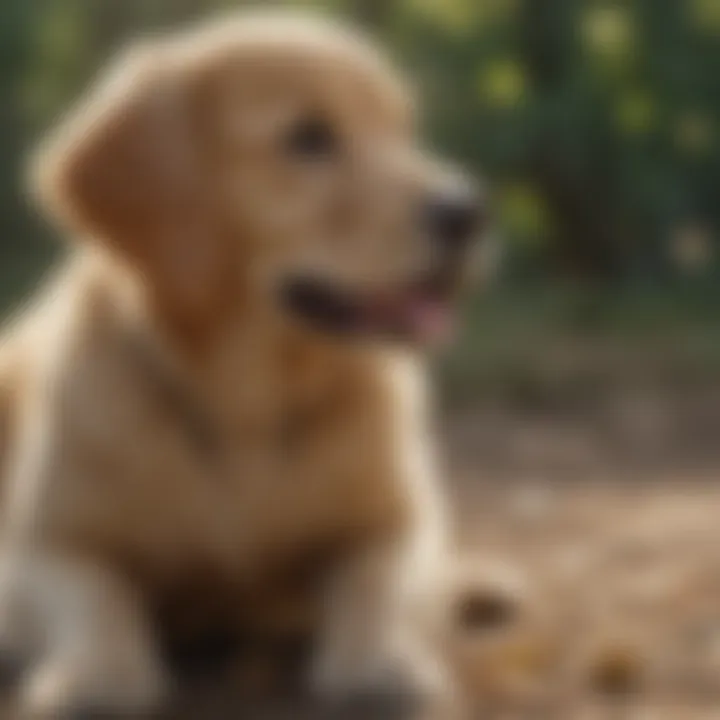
<point>595,538</point>
<point>608,523</point>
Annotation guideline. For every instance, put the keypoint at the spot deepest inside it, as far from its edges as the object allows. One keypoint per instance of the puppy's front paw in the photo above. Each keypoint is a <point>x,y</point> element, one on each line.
<point>69,690</point>
<point>16,641</point>
<point>13,658</point>
<point>383,687</point>
<point>385,697</point>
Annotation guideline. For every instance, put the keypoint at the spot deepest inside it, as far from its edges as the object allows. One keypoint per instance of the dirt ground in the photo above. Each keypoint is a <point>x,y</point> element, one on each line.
<point>606,524</point>
<point>595,536</point>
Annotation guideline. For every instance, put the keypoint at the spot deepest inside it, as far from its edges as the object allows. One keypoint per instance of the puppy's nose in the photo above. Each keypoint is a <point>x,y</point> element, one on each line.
<point>454,219</point>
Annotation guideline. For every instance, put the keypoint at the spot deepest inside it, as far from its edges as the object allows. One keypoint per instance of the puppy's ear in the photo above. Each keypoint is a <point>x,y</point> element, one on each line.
<point>126,170</point>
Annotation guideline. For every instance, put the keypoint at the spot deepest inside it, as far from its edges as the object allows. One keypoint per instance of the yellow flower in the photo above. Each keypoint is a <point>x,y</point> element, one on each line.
<point>706,14</point>
<point>608,30</point>
<point>454,16</point>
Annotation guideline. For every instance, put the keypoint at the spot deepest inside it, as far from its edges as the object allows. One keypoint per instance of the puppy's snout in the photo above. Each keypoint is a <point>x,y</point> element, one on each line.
<point>455,218</point>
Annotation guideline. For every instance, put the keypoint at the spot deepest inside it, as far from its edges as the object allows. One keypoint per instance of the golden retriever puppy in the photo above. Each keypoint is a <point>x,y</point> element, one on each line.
<point>225,375</point>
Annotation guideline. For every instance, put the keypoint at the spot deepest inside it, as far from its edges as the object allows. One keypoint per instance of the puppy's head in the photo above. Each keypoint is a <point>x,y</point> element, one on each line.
<point>275,155</point>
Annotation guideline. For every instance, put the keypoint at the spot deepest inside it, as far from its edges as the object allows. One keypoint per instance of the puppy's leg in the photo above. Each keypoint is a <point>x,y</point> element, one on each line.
<point>92,649</point>
<point>385,607</point>
<point>376,647</point>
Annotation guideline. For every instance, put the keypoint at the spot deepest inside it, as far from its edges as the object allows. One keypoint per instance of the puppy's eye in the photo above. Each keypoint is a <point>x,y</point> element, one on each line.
<point>312,138</point>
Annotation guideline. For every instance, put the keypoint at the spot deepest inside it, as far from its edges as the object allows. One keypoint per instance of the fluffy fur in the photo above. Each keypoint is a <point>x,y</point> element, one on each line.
<point>165,423</point>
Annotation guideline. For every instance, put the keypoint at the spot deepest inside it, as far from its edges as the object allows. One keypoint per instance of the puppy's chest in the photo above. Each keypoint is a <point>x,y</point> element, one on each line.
<point>268,464</point>
<point>271,457</point>
<point>262,481</point>
<point>253,477</point>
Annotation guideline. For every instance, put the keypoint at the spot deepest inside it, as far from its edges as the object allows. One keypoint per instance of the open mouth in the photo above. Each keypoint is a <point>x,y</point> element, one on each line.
<point>419,312</point>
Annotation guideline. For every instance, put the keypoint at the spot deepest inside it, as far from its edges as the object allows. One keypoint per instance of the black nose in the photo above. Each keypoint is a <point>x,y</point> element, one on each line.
<point>454,219</point>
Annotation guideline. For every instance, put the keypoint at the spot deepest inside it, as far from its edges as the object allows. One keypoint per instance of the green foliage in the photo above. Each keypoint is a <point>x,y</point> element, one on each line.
<point>596,120</point>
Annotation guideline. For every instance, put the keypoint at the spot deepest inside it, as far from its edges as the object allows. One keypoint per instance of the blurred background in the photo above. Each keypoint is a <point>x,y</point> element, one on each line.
<point>583,399</point>
<point>596,121</point>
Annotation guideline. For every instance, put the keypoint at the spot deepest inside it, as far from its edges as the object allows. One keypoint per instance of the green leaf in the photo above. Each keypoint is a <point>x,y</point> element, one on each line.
<point>502,83</point>
<point>705,14</point>
<point>694,133</point>
<point>636,113</point>
<point>523,213</point>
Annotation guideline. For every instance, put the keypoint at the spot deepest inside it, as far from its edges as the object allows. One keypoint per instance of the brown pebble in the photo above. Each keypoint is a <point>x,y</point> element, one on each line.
<point>617,671</point>
<point>485,611</point>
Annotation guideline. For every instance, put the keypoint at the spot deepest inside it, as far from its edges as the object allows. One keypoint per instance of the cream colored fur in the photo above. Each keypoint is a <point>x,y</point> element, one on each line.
<point>185,215</point>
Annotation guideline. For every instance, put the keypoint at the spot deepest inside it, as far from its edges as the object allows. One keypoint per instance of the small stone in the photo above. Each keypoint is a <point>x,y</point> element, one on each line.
<point>616,671</point>
<point>486,610</point>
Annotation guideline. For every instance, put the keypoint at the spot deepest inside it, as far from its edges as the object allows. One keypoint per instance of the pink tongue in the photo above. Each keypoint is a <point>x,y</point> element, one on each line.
<point>430,320</point>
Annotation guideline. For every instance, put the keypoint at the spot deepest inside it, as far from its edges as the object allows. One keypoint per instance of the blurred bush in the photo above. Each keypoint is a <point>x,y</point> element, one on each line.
<point>596,120</point>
